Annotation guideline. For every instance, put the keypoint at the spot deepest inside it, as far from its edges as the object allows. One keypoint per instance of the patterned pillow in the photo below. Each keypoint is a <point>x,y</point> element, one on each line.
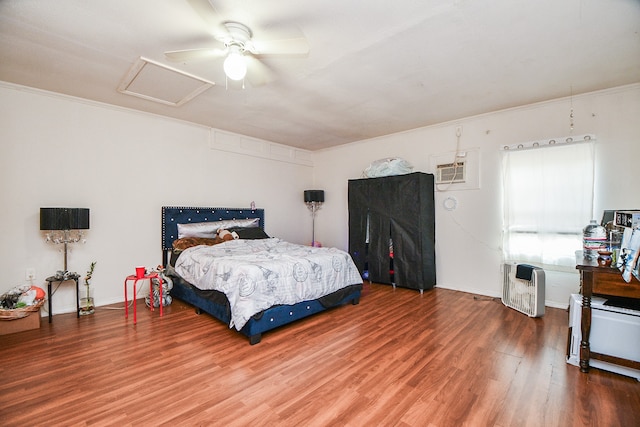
<point>209,229</point>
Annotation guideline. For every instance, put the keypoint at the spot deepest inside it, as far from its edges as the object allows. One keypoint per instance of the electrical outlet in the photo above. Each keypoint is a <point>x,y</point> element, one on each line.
<point>30,274</point>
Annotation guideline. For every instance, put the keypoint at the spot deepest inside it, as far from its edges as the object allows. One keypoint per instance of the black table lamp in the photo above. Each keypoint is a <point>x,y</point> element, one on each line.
<point>314,200</point>
<point>64,225</point>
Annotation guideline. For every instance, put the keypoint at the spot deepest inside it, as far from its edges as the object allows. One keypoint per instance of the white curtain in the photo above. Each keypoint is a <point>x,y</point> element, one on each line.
<point>548,200</point>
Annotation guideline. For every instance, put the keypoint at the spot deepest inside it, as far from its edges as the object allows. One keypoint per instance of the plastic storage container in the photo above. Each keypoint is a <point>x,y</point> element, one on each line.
<point>594,239</point>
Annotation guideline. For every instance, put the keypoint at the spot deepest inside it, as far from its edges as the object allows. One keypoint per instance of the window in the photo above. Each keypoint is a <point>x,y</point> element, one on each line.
<point>548,199</point>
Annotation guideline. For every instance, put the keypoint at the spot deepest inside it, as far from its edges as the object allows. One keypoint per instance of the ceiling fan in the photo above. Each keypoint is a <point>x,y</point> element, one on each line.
<point>239,48</point>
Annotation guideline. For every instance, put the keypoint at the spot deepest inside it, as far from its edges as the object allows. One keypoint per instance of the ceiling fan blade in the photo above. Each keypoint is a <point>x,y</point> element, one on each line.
<point>209,15</point>
<point>258,73</point>
<point>194,54</point>
<point>294,46</point>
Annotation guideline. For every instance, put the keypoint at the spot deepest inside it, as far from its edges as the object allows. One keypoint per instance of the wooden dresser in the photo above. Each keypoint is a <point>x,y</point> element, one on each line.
<point>605,281</point>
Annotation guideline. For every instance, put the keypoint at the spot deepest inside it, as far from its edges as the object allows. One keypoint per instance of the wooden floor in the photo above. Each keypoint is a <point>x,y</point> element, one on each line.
<point>445,358</point>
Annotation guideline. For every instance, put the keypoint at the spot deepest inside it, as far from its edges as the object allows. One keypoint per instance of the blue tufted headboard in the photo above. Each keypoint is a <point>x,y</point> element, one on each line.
<point>174,215</point>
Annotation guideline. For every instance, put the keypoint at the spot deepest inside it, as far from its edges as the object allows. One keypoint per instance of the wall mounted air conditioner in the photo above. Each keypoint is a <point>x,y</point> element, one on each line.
<point>450,173</point>
<point>523,289</point>
<point>456,170</point>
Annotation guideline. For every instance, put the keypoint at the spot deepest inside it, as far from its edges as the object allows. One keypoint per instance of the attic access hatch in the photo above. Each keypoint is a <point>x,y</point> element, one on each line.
<point>156,82</point>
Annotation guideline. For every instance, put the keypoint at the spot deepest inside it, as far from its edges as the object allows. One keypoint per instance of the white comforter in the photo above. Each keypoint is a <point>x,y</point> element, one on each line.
<point>258,274</point>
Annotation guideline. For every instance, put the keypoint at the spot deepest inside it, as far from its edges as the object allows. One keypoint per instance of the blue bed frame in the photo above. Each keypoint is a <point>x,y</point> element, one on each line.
<point>269,319</point>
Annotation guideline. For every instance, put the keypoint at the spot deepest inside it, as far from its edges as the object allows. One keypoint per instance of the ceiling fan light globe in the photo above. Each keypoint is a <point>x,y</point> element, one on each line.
<point>235,66</point>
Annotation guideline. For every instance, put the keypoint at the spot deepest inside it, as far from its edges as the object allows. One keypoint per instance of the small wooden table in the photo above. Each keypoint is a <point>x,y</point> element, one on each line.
<point>606,281</point>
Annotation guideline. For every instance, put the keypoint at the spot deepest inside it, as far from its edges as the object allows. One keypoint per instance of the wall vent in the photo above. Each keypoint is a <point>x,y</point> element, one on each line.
<point>450,173</point>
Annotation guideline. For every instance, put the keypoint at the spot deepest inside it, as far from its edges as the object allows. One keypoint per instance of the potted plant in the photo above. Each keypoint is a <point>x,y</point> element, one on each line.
<point>86,304</point>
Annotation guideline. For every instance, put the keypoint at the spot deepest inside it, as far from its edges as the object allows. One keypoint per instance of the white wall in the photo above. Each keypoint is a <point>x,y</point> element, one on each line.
<point>468,239</point>
<point>123,165</point>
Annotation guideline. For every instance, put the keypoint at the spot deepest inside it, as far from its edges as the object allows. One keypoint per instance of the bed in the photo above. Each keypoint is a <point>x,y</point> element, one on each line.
<point>220,289</point>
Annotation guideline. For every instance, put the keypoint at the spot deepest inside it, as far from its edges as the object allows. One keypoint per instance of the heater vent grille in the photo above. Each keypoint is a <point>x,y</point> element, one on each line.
<point>525,295</point>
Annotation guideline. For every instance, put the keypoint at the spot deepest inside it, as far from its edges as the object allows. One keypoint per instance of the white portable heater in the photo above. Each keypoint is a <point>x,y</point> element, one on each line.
<point>523,289</point>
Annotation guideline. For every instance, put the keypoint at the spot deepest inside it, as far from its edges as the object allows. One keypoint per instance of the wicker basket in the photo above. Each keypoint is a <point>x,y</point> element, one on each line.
<point>19,313</point>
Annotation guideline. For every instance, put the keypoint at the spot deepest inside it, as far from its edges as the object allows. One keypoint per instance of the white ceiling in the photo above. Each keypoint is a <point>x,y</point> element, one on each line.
<point>375,67</point>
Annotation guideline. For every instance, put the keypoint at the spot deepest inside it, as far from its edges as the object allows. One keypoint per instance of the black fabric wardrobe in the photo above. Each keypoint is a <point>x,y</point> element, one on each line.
<point>399,213</point>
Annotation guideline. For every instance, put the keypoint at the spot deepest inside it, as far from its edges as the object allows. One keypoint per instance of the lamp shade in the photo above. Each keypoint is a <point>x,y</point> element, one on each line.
<point>314,196</point>
<point>79,219</point>
<point>64,219</point>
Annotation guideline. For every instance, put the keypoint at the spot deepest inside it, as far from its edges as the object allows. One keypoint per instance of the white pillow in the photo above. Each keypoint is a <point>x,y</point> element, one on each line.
<point>210,229</point>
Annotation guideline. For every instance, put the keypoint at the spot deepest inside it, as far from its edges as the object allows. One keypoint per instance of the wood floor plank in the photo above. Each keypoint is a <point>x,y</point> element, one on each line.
<point>444,358</point>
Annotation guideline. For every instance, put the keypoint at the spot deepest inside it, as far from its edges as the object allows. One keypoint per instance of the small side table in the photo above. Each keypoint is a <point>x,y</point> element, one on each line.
<point>135,279</point>
<point>53,279</point>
